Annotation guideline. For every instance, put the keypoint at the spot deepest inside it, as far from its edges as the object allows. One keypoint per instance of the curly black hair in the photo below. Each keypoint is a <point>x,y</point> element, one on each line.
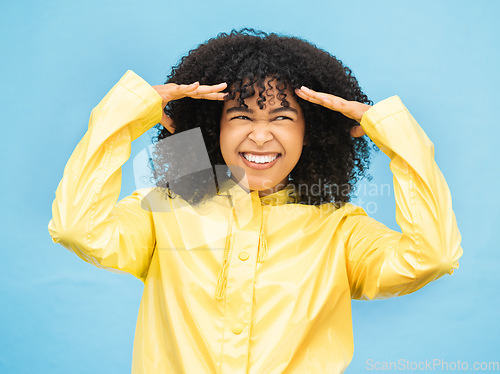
<point>244,59</point>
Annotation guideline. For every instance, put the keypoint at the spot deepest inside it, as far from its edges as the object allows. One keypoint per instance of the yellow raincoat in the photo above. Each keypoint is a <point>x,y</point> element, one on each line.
<point>242,284</point>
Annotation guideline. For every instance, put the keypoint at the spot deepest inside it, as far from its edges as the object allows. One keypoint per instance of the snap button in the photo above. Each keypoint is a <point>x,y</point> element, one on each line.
<point>237,328</point>
<point>243,256</point>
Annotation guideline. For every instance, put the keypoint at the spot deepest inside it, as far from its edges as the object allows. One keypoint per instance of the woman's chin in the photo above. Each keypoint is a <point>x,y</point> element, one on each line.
<point>263,184</point>
<point>265,187</point>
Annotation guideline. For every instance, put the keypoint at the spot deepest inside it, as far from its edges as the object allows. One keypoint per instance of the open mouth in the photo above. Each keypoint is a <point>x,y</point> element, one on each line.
<point>260,161</point>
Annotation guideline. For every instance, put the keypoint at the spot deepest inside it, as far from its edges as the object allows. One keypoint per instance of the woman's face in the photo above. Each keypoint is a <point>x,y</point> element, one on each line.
<point>265,144</point>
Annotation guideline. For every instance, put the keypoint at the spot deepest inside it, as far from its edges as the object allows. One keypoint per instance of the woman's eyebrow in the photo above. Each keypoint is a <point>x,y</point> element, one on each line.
<point>239,109</point>
<point>283,109</point>
<point>248,110</point>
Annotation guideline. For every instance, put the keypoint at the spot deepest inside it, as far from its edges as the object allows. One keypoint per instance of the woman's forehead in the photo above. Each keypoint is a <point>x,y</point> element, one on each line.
<point>268,82</point>
<point>268,101</point>
<point>269,91</point>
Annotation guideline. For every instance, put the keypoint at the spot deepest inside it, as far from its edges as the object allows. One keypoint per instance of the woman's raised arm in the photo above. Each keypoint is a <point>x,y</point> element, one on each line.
<point>86,218</point>
<point>383,262</point>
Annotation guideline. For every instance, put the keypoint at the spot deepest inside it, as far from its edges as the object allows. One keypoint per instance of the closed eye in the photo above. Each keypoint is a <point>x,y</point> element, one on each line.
<point>281,118</point>
<point>241,117</point>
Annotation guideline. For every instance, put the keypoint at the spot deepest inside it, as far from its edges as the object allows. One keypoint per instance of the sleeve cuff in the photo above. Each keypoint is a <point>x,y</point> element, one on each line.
<point>142,89</point>
<point>381,110</point>
<point>132,102</point>
<point>393,129</point>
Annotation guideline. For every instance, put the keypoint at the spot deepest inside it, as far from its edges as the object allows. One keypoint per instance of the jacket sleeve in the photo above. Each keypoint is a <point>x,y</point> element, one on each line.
<point>381,262</point>
<point>86,218</point>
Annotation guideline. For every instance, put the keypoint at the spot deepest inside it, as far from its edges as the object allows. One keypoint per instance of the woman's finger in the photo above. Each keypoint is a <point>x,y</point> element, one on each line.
<point>210,96</point>
<point>185,88</point>
<point>201,90</point>
<point>350,109</point>
<point>314,98</point>
<point>302,95</point>
<point>168,123</point>
<point>173,91</point>
<point>357,131</point>
<point>330,101</point>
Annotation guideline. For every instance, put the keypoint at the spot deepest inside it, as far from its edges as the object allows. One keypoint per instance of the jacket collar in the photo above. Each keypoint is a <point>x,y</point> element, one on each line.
<point>286,195</point>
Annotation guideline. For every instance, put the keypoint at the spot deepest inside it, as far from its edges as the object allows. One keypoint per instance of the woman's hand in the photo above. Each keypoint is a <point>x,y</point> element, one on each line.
<point>350,109</point>
<point>173,91</point>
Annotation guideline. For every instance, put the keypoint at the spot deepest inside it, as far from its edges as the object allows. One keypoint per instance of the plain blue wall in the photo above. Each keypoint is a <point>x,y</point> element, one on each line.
<point>59,314</point>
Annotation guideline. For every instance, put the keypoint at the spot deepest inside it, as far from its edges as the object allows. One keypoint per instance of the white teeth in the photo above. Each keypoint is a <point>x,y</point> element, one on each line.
<point>260,159</point>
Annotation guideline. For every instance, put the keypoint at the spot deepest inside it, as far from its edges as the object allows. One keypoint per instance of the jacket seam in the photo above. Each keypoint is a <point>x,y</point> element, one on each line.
<point>377,122</point>
<point>143,198</point>
<point>414,220</point>
<point>147,104</point>
<point>99,185</point>
<point>233,234</point>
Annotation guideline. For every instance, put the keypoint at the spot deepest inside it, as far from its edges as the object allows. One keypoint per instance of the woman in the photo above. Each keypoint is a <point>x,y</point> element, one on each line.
<point>258,276</point>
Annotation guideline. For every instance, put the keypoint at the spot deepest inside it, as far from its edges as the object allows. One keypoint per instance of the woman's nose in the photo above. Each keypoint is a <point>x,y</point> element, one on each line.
<point>260,133</point>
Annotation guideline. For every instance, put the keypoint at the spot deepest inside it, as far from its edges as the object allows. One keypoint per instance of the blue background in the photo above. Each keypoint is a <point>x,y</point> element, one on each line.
<point>59,314</point>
